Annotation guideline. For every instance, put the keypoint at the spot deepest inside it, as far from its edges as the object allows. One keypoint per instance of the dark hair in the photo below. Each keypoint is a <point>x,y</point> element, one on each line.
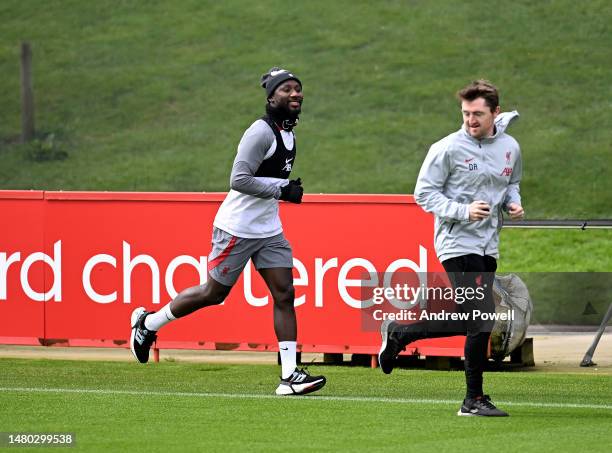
<point>480,89</point>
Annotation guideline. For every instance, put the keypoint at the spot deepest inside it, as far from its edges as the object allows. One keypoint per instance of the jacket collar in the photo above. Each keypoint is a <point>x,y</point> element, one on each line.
<point>502,122</point>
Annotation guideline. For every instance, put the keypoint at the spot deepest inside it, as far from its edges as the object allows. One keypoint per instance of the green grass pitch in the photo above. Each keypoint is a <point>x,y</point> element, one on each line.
<point>177,406</point>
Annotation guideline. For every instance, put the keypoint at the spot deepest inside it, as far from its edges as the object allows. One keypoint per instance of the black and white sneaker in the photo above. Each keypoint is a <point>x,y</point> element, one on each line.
<point>480,406</point>
<point>300,383</point>
<point>141,339</point>
<point>391,346</point>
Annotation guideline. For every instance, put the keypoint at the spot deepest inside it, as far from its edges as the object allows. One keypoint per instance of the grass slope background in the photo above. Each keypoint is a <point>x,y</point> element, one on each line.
<point>155,96</point>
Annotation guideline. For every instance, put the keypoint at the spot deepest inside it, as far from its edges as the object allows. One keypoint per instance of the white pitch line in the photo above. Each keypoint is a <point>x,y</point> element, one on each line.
<point>359,399</point>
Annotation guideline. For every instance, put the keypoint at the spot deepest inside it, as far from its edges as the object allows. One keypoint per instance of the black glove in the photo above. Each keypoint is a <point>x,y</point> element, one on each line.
<point>292,192</point>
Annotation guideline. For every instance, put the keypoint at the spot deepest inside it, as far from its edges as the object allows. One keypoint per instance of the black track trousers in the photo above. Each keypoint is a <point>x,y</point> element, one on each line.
<point>472,271</point>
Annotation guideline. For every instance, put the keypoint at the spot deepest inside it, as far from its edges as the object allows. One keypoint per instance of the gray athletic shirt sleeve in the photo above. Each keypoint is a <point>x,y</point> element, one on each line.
<point>252,149</point>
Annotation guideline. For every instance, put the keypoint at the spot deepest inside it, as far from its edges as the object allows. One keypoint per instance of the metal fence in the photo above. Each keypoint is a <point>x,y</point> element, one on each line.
<point>561,224</point>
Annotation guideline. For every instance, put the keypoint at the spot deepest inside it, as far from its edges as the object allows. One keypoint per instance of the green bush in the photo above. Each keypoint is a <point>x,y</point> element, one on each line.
<point>45,149</point>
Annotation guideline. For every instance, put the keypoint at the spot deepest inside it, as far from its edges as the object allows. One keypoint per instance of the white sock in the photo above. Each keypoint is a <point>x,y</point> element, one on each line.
<point>287,356</point>
<point>159,319</point>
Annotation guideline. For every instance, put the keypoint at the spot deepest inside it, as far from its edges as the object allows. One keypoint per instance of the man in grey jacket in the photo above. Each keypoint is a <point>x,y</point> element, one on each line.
<point>467,179</point>
<point>247,226</point>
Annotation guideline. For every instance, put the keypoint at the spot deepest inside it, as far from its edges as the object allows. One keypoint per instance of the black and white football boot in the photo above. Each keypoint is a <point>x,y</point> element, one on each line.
<point>480,406</point>
<point>390,347</point>
<point>141,339</point>
<point>300,383</point>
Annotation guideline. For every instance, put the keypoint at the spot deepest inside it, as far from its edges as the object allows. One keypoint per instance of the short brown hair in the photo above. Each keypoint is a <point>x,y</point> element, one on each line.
<point>480,89</point>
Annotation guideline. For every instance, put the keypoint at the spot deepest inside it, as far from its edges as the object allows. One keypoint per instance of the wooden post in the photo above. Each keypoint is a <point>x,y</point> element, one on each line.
<point>27,94</point>
<point>523,355</point>
<point>332,359</point>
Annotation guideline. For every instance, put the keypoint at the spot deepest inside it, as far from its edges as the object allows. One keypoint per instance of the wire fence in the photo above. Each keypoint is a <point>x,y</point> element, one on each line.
<point>560,224</point>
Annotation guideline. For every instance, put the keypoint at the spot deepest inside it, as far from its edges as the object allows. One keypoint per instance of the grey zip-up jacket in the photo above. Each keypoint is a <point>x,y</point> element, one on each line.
<point>460,169</point>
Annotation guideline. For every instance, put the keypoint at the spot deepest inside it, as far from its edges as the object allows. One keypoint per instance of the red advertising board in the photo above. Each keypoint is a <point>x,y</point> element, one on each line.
<point>22,310</point>
<point>90,258</point>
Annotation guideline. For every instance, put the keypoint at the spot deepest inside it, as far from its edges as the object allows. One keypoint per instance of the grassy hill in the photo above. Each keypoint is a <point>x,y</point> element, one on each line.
<point>155,96</point>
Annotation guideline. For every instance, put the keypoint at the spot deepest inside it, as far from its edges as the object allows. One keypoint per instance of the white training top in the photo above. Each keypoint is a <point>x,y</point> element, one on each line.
<point>250,209</point>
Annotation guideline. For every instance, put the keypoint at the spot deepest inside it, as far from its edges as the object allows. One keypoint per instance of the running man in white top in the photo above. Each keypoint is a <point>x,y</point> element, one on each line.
<point>247,226</point>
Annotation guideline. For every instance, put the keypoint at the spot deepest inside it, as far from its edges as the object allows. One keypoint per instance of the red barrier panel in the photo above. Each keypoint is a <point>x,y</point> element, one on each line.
<point>22,312</point>
<point>95,256</point>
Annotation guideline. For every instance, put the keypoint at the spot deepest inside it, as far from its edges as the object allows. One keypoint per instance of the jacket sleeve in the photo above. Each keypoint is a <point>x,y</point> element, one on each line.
<point>252,150</point>
<point>513,194</point>
<point>432,178</point>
